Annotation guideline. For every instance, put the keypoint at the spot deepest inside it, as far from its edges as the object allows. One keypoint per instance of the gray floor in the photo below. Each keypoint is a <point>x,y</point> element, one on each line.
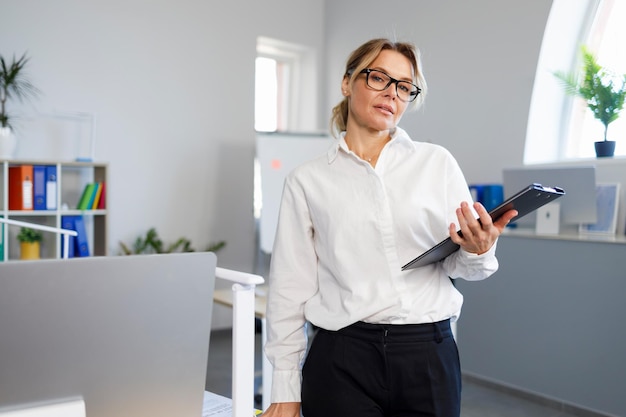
<point>478,399</point>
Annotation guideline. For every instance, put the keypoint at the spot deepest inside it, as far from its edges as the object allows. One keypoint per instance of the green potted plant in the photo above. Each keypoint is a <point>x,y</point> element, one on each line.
<point>13,84</point>
<point>603,91</point>
<point>30,240</point>
<point>151,243</point>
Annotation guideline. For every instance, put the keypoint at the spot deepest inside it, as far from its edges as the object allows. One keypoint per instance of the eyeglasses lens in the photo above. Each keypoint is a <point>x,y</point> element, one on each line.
<point>380,81</point>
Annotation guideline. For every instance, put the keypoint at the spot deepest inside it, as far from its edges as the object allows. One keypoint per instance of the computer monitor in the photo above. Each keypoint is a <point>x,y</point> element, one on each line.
<point>578,205</point>
<point>127,334</point>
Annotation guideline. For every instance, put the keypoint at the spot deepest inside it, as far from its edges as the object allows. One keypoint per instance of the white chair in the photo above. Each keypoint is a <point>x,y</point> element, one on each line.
<point>243,338</point>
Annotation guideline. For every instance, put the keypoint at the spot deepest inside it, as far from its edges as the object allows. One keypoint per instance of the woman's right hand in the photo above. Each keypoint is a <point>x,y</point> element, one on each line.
<point>282,410</point>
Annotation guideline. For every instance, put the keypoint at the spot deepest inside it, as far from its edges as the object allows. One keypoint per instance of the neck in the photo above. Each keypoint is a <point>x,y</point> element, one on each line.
<point>367,148</point>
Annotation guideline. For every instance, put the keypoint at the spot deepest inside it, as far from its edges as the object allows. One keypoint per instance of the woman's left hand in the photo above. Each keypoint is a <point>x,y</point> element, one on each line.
<point>478,236</point>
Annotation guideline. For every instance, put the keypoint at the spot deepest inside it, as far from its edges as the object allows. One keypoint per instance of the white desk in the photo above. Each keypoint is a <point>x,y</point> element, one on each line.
<point>225,297</point>
<point>215,405</point>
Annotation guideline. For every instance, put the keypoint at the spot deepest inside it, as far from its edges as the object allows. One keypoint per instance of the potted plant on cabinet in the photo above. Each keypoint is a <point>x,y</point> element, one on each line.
<point>13,84</point>
<point>603,91</point>
<point>29,243</point>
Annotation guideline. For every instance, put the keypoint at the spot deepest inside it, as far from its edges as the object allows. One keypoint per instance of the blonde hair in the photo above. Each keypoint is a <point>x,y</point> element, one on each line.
<point>360,59</point>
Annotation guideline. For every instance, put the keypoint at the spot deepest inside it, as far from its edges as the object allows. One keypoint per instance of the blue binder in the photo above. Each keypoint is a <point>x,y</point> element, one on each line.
<point>82,246</point>
<point>51,187</point>
<point>67,222</point>
<point>39,187</point>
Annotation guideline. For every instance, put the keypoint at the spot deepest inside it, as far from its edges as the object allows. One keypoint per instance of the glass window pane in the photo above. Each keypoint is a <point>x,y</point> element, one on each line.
<point>606,38</point>
<point>265,95</point>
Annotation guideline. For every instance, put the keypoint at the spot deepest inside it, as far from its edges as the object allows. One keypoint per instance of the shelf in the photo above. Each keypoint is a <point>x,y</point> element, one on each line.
<point>71,179</point>
<point>570,236</point>
<point>34,213</point>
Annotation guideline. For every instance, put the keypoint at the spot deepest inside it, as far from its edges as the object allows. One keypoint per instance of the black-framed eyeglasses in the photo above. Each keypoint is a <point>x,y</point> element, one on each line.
<point>379,81</point>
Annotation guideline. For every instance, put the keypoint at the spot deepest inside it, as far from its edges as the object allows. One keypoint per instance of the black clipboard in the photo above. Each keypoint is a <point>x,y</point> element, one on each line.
<point>525,201</point>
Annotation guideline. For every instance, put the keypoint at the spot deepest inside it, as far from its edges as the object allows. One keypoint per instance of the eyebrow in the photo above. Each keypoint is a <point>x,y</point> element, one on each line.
<point>387,72</point>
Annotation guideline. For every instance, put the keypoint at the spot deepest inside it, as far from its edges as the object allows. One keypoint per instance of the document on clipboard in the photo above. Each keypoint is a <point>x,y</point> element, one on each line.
<point>525,201</point>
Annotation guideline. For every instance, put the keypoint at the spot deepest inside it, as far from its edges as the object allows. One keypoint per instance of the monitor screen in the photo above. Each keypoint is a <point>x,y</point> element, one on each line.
<point>578,205</point>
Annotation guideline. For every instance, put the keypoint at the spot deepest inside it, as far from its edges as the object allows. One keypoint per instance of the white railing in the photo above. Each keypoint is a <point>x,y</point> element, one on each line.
<point>243,338</point>
<point>65,232</point>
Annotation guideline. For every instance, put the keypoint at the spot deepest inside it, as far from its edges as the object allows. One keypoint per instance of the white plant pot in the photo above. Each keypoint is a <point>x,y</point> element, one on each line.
<point>8,143</point>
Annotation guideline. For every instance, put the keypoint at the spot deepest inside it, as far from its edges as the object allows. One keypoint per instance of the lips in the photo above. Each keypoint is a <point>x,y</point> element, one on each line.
<point>385,107</point>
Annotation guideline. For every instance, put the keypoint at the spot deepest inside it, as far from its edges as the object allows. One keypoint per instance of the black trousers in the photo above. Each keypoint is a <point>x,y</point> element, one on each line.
<point>376,370</point>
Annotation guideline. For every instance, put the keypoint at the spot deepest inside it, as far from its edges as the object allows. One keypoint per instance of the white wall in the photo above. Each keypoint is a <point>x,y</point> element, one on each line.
<point>172,87</point>
<point>479,59</point>
<point>171,84</point>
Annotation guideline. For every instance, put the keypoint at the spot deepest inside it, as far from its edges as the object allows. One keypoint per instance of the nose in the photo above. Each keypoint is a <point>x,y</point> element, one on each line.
<point>392,89</point>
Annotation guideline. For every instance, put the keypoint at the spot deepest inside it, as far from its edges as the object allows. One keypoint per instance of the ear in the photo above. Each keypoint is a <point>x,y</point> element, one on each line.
<point>345,86</point>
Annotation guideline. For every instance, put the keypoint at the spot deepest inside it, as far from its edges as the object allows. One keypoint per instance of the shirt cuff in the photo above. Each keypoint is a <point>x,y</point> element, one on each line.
<point>286,386</point>
<point>472,256</point>
<point>470,266</point>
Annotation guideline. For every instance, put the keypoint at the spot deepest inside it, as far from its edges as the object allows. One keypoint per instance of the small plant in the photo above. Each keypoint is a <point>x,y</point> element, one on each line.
<point>28,235</point>
<point>603,91</point>
<point>13,84</point>
<point>151,243</point>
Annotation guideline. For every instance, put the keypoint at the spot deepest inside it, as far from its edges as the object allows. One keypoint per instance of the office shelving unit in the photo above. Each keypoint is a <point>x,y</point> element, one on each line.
<point>72,177</point>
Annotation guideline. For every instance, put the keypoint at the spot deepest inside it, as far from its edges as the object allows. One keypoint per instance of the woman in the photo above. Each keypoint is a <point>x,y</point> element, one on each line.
<point>348,221</point>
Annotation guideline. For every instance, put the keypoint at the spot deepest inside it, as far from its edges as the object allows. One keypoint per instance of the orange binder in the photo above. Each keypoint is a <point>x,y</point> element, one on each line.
<point>21,187</point>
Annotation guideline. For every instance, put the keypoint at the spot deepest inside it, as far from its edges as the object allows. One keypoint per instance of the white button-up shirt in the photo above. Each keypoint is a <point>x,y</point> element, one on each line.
<point>344,231</point>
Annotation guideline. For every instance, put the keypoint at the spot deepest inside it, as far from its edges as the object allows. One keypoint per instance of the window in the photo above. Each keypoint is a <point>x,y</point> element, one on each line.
<point>286,93</point>
<point>561,127</point>
<point>606,40</point>
<point>266,93</point>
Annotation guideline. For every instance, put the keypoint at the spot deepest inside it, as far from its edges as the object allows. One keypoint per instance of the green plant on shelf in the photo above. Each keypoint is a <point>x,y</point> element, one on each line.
<point>603,91</point>
<point>28,235</point>
<point>13,84</point>
<point>151,243</point>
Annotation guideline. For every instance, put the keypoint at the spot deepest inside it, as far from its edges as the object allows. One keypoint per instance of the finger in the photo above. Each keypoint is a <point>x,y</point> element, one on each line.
<point>505,219</point>
<point>483,215</point>
<point>464,228</point>
<point>454,235</point>
<point>469,219</point>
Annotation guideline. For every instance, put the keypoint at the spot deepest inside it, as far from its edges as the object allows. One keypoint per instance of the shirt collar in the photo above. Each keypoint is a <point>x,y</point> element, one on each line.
<point>399,137</point>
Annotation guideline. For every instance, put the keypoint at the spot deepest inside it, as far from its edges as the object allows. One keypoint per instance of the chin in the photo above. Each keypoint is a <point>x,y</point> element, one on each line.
<point>386,125</point>
<point>384,128</point>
